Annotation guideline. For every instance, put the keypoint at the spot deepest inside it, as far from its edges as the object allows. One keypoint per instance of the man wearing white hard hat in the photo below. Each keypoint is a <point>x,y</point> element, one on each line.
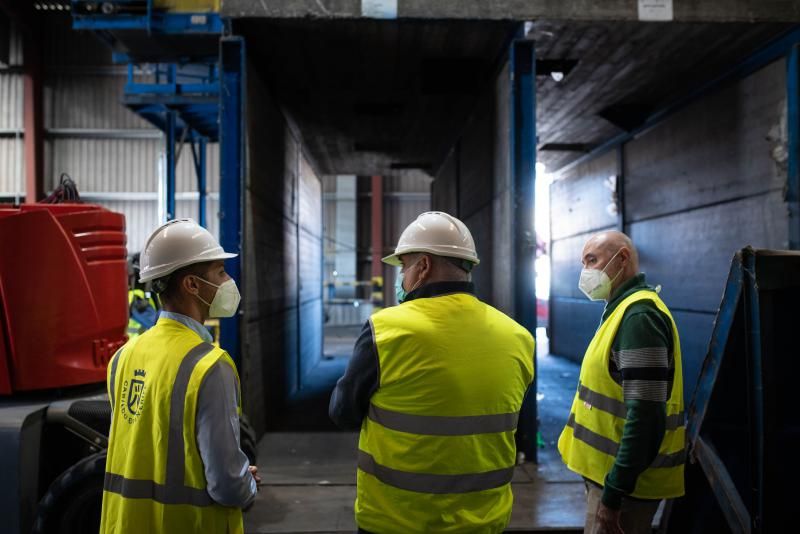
<point>174,462</point>
<point>436,386</point>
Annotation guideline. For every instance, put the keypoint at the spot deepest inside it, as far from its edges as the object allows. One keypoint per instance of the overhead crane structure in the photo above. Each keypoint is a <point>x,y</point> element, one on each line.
<point>185,77</point>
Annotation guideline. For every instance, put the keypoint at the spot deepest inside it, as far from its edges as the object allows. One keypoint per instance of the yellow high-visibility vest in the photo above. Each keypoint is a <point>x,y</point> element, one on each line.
<point>589,442</point>
<point>436,451</point>
<point>155,480</point>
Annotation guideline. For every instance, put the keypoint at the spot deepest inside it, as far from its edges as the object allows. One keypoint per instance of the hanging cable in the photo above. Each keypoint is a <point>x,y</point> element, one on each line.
<point>67,191</point>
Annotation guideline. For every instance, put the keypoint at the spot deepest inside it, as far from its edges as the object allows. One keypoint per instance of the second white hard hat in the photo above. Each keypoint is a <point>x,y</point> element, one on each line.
<point>435,232</point>
<point>177,244</point>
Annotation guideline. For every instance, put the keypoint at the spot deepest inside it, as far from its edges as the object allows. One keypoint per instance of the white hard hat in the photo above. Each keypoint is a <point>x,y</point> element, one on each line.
<point>435,232</point>
<point>176,244</point>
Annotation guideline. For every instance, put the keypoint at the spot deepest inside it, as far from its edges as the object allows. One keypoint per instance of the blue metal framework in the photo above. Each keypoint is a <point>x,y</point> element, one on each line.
<point>731,503</point>
<point>183,102</point>
<point>744,354</point>
<point>199,158</point>
<point>232,157</point>
<point>140,15</point>
<point>523,172</point>
<point>716,349</point>
<point>192,95</point>
<point>793,127</point>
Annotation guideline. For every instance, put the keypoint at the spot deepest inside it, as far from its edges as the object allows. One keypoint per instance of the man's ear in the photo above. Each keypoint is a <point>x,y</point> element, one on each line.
<point>625,255</point>
<point>426,267</point>
<point>191,284</point>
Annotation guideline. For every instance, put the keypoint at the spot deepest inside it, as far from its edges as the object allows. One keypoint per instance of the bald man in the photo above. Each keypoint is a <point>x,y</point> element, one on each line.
<point>625,433</point>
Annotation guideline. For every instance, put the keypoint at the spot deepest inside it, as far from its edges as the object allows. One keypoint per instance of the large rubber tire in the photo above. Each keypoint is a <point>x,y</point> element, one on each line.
<point>73,501</point>
<point>247,440</point>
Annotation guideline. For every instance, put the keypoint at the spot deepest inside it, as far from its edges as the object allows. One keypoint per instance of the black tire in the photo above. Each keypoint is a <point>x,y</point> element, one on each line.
<point>73,501</point>
<point>247,439</point>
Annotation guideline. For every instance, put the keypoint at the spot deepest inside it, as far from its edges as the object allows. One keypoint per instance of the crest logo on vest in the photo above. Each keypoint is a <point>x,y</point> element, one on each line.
<point>133,396</point>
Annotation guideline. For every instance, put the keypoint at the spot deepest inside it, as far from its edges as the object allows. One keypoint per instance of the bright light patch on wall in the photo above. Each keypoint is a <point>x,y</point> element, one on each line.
<point>542,222</point>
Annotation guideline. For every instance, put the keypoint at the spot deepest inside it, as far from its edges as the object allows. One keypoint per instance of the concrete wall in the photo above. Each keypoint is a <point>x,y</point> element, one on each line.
<point>283,260</point>
<point>702,184</point>
<point>474,185</point>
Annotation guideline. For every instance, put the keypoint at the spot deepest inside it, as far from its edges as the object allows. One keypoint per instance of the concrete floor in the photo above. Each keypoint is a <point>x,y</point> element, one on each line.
<point>309,477</point>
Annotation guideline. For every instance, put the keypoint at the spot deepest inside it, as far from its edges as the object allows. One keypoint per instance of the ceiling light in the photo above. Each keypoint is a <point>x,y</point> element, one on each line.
<point>557,75</point>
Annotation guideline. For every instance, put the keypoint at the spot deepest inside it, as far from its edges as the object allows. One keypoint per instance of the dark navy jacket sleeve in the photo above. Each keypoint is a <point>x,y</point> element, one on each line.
<point>350,399</point>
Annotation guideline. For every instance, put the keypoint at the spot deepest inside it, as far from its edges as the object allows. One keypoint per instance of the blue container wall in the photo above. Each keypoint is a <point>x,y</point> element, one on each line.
<point>282,324</point>
<point>702,184</point>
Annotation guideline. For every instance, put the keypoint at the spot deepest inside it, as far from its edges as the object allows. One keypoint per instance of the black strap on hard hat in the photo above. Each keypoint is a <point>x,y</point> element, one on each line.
<point>464,265</point>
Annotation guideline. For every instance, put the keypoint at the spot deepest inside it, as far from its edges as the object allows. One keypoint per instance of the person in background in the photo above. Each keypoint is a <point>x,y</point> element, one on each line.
<point>142,307</point>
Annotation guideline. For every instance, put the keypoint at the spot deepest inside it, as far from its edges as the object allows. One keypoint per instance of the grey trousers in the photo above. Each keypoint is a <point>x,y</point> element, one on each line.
<point>636,518</point>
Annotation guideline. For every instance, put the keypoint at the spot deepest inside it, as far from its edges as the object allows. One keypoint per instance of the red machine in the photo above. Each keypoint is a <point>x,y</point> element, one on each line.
<point>63,314</point>
<point>63,290</point>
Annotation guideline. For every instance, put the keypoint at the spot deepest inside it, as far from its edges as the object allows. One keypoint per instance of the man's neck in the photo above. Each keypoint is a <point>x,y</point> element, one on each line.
<point>620,283</point>
<point>436,280</point>
<point>188,311</point>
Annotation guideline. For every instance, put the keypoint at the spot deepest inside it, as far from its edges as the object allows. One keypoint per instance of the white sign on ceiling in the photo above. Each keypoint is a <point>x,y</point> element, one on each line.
<point>655,10</point>
<point>379,9</point>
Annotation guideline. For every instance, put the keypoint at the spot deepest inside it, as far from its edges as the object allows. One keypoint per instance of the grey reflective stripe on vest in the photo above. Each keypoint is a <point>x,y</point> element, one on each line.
<point>113,376</point>
<point>618,408</point>
<point>610,447</point>
<point>676,420</point>
<point>439,484</point>
<point>670,460</point>
<point>176,460</point>
<point>601,443</point>
<point>147,489</point>
<point>174,491</point>
<point>434,425</point>
<point>601,402</point>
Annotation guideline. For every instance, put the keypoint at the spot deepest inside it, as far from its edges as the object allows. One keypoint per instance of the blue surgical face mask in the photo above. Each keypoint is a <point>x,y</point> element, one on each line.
<point>399,291</point>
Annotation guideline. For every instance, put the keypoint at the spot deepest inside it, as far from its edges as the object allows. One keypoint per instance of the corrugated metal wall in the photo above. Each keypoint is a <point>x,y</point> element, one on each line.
<point>699,186</point>
<point>110,152</point>
<point>12,164</point>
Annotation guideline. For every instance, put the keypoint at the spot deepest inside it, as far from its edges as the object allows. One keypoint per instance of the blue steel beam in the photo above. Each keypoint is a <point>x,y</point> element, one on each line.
<point>523,172</point>
<point>793,127</point>
<point>170,170</point>
<point>716,349</point>
<point>232,170</point>
<point>199,157</point>
<point>196,118</point>
<point>155,22</point>
<point>753,314</point>
<point>730,502</point>
<point>197,103</point>
<point>172,88</point>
